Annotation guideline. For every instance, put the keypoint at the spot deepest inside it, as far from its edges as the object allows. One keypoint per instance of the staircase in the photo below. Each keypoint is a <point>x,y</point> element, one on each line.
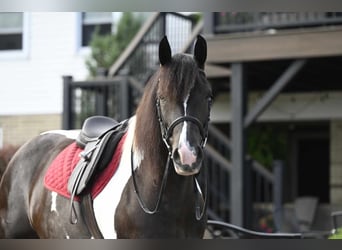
<point>140,59</point>
<point>119,95</point>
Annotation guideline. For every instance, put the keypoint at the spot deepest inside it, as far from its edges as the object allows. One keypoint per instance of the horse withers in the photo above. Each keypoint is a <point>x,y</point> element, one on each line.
<point>155,191</point>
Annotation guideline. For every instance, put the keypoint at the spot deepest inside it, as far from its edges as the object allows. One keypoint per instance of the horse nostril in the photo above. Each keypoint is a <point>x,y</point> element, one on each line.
<point>187,156</point>
<point>175,156</point>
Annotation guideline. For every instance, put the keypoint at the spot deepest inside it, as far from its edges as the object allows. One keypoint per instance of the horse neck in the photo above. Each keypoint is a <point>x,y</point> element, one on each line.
<point>149,152</point>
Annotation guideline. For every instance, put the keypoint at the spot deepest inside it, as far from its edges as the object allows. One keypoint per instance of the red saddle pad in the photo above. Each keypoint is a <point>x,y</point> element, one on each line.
<point>58,173</point>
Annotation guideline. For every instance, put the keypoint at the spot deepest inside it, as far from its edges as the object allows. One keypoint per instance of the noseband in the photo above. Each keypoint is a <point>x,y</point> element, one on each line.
<point>167,131</point>
<point>166,135</point>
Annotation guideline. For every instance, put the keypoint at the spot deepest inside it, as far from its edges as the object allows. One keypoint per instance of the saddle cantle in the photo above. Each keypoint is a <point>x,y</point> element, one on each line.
<point>99,137</point>
<point>93,127</point>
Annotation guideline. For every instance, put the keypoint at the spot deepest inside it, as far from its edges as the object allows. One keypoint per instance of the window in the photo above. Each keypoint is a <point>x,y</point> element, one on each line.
<point>91,20</point>
<point>11,31</point>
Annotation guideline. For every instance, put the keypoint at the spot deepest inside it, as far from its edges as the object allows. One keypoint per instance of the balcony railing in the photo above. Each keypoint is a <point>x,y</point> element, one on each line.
<point>231,22</point>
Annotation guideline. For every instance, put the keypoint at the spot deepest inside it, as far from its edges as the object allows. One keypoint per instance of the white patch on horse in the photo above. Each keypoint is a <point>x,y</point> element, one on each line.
<point>71,134</point>
<point>183,135</point>
<point>106,202</point>
<point>67,236</point>
<point>184,148</point>
<point>54,202</point>
<point>138,157</point>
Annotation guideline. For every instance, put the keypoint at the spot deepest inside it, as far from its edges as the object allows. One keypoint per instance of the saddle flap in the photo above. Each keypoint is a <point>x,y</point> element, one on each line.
<point>88,163</point>
<point>95,157</point>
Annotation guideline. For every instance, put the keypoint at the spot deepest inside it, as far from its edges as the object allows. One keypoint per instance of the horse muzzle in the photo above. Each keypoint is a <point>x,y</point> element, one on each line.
<point>187,160</point>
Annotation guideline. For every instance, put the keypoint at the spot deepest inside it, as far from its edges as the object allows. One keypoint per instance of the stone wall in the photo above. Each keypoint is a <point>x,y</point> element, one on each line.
<point>18,129</point>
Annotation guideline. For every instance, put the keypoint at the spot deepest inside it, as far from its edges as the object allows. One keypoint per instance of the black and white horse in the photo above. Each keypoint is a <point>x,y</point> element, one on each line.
<point>154,192</point>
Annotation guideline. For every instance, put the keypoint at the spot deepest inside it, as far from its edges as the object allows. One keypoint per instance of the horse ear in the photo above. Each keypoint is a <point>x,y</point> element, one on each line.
<point>200,52</point>
<point>164,51</point>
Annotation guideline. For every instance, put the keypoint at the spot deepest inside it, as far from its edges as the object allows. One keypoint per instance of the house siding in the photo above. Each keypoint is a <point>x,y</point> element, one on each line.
<point>32,83</point>
<point>31,86</point>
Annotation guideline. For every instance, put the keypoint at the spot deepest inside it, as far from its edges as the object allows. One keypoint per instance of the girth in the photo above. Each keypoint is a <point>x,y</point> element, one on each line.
<point>89,216</point>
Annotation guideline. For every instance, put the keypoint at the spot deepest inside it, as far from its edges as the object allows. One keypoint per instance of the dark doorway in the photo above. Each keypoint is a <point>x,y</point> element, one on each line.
<point>313,167</point>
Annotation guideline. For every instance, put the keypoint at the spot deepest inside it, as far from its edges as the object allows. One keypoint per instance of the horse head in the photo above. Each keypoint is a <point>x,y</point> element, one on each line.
<point>183,105</point>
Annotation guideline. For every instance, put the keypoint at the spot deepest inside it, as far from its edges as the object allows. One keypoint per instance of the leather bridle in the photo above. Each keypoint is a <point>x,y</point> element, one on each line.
<point>167,132</point>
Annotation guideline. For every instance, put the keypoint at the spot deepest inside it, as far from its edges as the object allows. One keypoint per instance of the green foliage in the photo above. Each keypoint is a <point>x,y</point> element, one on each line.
<point>127,28</point>
<point>196,17</point>
<point>105,49</point>
<point>337,235</point>
<point>267,143</point>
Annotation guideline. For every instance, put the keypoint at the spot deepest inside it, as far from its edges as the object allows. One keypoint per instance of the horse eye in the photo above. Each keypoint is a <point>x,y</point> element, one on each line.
<point>162,99</point>
<point>210,100</point>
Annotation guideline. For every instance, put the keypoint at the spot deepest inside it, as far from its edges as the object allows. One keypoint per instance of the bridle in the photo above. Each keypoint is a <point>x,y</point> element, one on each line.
<point>167,132</point>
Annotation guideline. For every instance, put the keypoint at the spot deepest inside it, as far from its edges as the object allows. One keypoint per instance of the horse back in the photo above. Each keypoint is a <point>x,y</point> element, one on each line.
<point>22,184</point>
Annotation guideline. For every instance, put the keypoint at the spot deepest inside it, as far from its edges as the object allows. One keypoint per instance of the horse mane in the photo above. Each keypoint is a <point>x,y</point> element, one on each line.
<point>147,121</point>
<point>176,79</point>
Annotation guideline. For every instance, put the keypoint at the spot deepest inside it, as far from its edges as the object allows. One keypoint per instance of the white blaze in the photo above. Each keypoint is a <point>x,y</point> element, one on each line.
<point>187,157</point>
<point>183,138</point>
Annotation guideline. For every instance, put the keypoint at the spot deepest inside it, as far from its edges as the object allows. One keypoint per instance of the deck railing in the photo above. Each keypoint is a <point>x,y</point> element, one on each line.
<point>118,95</point>
<point>230,22</point>
<point>140,58</point>
<point>265,186</point>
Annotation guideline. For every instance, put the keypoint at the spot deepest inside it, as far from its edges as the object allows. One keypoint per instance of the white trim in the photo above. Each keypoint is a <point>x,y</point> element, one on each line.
<point>78,40</point>
<point>1,138</point>
<point>85,50</point>
<point>24,52</point>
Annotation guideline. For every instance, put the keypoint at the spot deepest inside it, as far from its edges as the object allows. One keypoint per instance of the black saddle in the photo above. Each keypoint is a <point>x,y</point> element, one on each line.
<point>93,127</point>
<point>99,137</point>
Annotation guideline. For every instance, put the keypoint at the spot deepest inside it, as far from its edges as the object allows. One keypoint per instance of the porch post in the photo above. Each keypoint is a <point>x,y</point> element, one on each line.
<point>67,103</point>
<point>237,185</point>
<point>278,169</point>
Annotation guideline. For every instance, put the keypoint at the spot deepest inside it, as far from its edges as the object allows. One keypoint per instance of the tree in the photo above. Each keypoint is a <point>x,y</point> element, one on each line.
<point>105,49</point>
<point>127,28</point>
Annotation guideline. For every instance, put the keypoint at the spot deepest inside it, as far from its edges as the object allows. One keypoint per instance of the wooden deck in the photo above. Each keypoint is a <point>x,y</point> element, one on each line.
<point>275,45</point>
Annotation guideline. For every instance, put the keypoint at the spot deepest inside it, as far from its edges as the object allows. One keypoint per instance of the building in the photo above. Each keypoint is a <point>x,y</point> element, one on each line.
<point>285,82</point>
<point>36,50</point>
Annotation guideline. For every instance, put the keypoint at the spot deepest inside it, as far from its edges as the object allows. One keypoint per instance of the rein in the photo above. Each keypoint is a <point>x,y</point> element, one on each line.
<point>198,191</point>
<point>166,134</point>
<point>161,191</point>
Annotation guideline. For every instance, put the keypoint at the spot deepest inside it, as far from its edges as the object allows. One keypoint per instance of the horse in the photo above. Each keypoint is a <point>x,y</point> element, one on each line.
<point>146,197</point>
<point>6,153</point>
